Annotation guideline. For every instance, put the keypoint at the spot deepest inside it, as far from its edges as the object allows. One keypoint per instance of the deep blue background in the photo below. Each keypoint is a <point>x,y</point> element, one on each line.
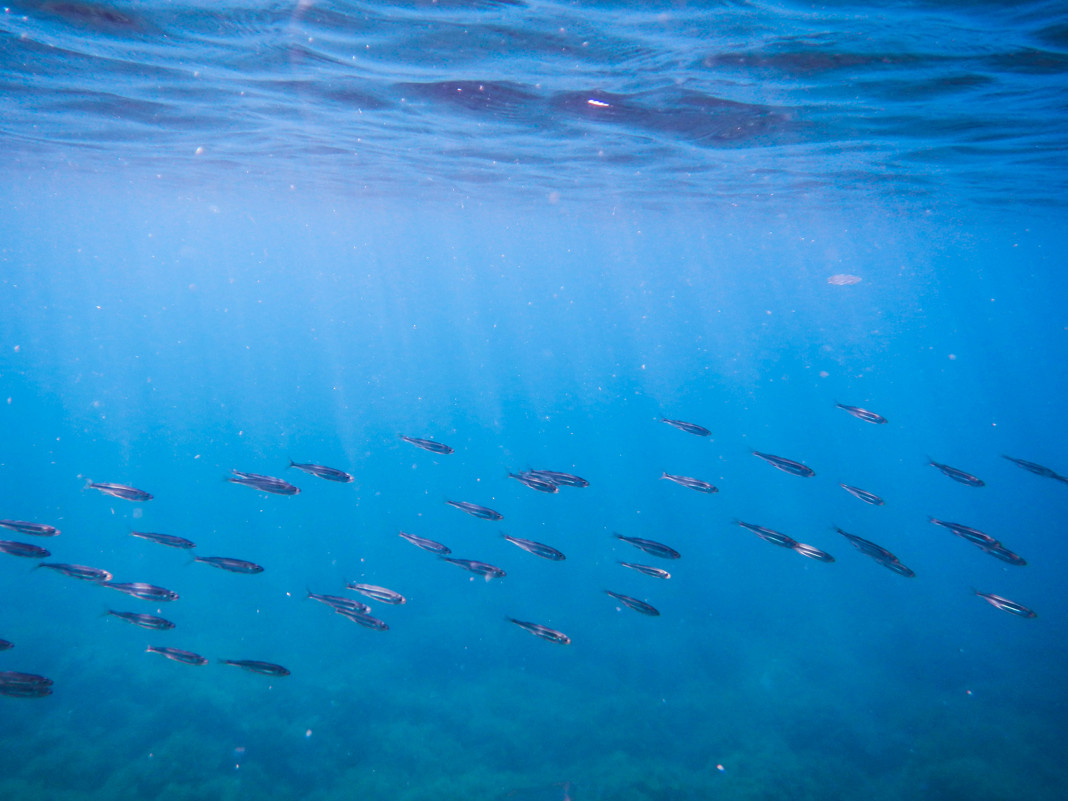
<point>165,319</point>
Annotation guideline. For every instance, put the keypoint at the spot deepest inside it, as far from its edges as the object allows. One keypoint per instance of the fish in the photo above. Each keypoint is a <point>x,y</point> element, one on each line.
<point>24,685</point>
<point>121,491</point>
<point>329,473</point>
<point>863,414</point>
<point>864,495</point>
<point>364,619</point>
<point>481,568</point>
<point>94,574</point>
<point>560,479</point>
<point>14,677</point>
<point>263,483</point>
<point>144,621</point>
<point>651,547</point>
<point>692,483</point>
<point>23,549</point>
<point>428,445</point>
<point>169,540</point>
<point>878,553</point>
<point>787,465</point>
<point>226,563</point>
<point>177,655</point>
<point>655,572</point>
<point>535,482</point>
<point>256,666</point>
<point>843,279</point>
<point>689,428</point>
<point>1006,605</point>
<point>146,592</point>
<point>973,535</point>
<point>635,604</point>
<point>999,551</point>
<point>337,602</point>
<point>378,593</point>
<point>6,645</point>
<point>36,529</point>
<point>813,552</point>
<point>481,512</point>
<point>958,475</point>
<point>538,630</point>
<point>427,545</point>
<point>1032,467</point>
<point>770,535</point>
<point>536,548</point>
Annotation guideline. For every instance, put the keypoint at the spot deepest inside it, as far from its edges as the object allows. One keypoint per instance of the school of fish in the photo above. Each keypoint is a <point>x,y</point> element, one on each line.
<point>30,685</point>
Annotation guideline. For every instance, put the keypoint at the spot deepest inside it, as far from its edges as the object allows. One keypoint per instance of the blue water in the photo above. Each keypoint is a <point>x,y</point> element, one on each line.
<point>235,235</point>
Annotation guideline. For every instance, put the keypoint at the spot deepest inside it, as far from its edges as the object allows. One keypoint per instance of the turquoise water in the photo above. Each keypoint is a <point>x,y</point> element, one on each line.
<point>235,236</point>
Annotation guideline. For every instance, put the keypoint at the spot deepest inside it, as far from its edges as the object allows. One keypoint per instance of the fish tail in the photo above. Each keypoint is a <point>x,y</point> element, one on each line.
<point>292,464</point>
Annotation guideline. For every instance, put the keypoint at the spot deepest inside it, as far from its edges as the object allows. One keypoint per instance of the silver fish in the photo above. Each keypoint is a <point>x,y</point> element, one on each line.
<point>650,547</point>
<point>536,548</point>
<point>378,593</point>
<point>276,486</point>
<point>256,666</point>
<point>1006,605</point>
<point>481,512</point>
<point>146,592</point>
<point>144,621</point>
<point>177,655</point>
<point>770,535</point>
<point>94,574</point>
<point>121,491</point>
<point>787,465</point>
<point>999,551</point>
<point>36,529</point>
<point>535,482</point>
<point>878,553</point>
<point>864,495</point>
<point>364,619</point>
<point>655,572</point>
<point>428,445</point>
<point>692,483</point>
<point>322,471</point>
<point>552,635</point>
<point>973,535</point>
<point>561,479</point>
<point>862,414</point>
<point>232,565</point>
<point>23,549</point>
<point>480,568</point>
<point>1031,467</point>
<point>169,540</point>
<point>689,428</point>
<point>958,475</point>
<point>337,602</point>
<point>635,604</point>
<point>427,545</point>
